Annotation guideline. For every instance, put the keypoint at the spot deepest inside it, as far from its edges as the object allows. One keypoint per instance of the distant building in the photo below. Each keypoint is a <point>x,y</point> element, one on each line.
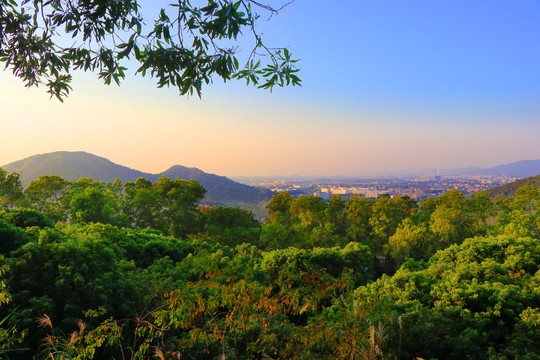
<point>324,195</point>
<point>374,193</point>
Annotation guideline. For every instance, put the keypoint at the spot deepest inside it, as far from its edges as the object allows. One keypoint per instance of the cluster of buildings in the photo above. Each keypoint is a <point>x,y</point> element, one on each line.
<point>416,188</point>
<point>367,192</point>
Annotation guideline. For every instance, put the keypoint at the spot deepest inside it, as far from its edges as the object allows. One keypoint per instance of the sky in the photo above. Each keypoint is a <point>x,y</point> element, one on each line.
<point>387,86</point>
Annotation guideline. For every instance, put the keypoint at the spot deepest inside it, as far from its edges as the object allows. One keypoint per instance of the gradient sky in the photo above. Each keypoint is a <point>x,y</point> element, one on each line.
<point>387,85</point>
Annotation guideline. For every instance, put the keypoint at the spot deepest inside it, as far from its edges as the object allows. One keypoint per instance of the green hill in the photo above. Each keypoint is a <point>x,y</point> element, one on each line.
<point>72,166</point>
<point>510,188</point>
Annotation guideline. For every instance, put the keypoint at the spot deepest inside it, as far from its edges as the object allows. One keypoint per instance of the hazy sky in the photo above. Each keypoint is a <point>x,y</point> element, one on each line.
<point>387,85</point>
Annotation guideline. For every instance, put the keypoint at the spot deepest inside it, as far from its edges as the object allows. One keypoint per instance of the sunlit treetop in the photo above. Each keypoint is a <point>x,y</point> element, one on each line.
<point>189,44</point>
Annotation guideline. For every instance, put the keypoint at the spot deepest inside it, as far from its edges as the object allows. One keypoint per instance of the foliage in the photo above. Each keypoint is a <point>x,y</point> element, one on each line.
<point>509,189</point>
<point>91,201</point>
<point>335,261</point>
<point>520,214</point>
<point>10,337</point>
<point>73,276</point>
<point>411,241</point>
<point>469,300</point>
<point>24,218</point>
<point>170,206</point>
<point>386,215</point>
<point>448,221</point>
<point>230,226</point>
<point>48,194</point>
<point>186,46</point>
<point>166,205</point>
<point>139,270</point>
<point>233,305</point>
<point>10,189</point>
<point>279,208</point>
<point>11,237</point>
<point>305,222</point>
<point>358,213</point>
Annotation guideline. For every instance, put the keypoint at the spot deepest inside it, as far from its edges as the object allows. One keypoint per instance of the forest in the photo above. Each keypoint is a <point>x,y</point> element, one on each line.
<point>139,270</point>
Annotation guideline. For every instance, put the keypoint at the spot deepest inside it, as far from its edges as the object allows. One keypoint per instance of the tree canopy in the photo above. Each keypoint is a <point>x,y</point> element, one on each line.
<point>43,41</point>
<point>140,270</point>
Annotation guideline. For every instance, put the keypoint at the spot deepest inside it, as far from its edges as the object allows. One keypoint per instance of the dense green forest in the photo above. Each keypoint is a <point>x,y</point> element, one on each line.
<point>94,270</point>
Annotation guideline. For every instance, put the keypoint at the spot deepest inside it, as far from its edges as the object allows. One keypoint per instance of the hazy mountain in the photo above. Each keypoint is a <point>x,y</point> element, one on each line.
<point>72,166</point>
<point>518,169</point>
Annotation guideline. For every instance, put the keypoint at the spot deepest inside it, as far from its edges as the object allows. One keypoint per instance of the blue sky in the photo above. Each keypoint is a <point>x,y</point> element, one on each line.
<point>387,85</point>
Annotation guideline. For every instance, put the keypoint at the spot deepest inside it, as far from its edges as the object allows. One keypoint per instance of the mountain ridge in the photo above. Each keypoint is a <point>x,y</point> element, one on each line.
<point>73,165</point>
<point>517,169</point>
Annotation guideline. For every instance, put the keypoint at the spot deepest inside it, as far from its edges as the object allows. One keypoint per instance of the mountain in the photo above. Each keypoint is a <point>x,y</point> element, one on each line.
<point>510,188</point>
<point>518,169</point>
<point>221,189</point>
<point>72,166</point>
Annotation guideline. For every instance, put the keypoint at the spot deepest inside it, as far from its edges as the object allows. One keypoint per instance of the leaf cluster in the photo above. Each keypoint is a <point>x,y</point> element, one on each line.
<point>44,41</point>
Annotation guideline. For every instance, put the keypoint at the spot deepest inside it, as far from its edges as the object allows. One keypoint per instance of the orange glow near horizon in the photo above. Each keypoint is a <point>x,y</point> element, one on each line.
<point>151,130</point>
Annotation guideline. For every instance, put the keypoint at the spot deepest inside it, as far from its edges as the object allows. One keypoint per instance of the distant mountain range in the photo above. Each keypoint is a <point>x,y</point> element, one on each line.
<point>221,190</point>
<point>518,169</point>
<point>72,166</point>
